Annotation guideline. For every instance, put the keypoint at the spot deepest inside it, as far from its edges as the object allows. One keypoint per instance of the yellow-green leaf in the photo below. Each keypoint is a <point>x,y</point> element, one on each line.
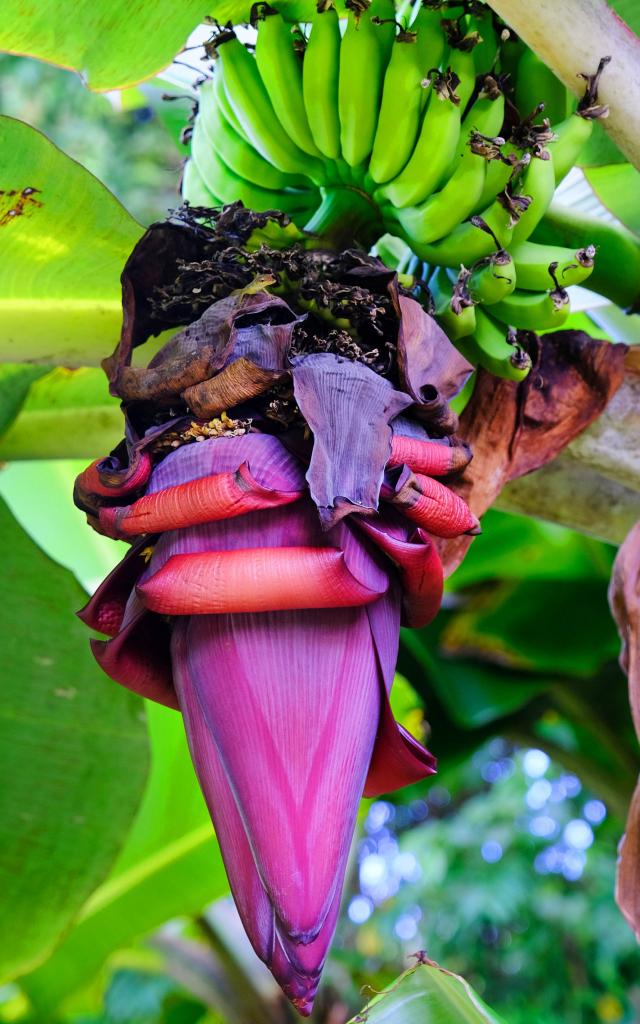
<point>64,241</point>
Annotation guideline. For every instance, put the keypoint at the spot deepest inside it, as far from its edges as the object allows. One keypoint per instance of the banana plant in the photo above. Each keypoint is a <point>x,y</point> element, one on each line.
<point>280,476</point>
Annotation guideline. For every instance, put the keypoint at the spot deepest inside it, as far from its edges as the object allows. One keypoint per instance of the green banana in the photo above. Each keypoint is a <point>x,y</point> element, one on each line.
<point>232,148</point>
<point>492,278</point>
<point>442,211</point>
<point>281,72</point>
<point>250,103</point>
<point>536,83</point>
<point>436,144</point>
<point>479,129</point>
<point>572,135</point>
<point>532,261</point>
<point>456,323</point>
<point>194,190</point>
<point>487,50</point>
<point>470,241</point>
<point>223,103</point>
<point>500,169</point>
<point>399,117</point>
<point>363,60</point>
<point>539,183</point>
<point>430,41</point>
<point>320,71</point>
<point>574,131</point>
<point>490,348</point>
<point>220,180</point>
<point>533,311</point>
<point>616,273</point>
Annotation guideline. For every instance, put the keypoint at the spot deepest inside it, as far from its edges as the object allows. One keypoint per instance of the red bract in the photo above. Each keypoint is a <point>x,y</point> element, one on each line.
<point>269,574</point>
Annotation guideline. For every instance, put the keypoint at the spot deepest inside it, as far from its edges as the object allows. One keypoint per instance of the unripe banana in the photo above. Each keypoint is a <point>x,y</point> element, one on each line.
<point>438,138</point>
<point>220,180</point>
<point>281,72</point>
<point>492,279</point>
<point>399,117</point>
<point>456,323</point>
<point>430,41</point>
<point>480,128</point>
<point>232,148</point>
<point>536,83</point>
<point>533,311</point>
<point>573,132</point>
<point>490,348</point>
<point>532,261</point>
<point>500,170</point>
<point>572,135</point>
<point>363,60</point>
<point>444,210</point>
<point>194,190</point>
<point>250,103</point>
<point>539,183</point>
<point>617,269</point>
<point>470,241</point>
<point>320,75</point>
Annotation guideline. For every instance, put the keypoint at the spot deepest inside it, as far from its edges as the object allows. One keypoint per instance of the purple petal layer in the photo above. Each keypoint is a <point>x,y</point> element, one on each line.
<point>348,408</point>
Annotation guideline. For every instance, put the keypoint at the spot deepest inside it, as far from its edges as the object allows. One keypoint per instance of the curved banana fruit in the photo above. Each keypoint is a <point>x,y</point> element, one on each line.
<point>232,148</point>
<point>220,180</point>
<point>533,311</point>
<point>572,136</point>
<point>539,183</point>
<point>363,60</point>
<point>490,348</point>
<point>251,105</point>
<point>456,323</point>
<point>320,74</point>
<point>281,72</point>
<point>616,273</point>
<point>436,145</point>
<point>470,241</point>
<point>444,210</point>
<point>193,188</point>
<point>533,260</point>
<point>492,279</point>
<point>399,117</point>
<point>536,83</point>
<point>430,38</point>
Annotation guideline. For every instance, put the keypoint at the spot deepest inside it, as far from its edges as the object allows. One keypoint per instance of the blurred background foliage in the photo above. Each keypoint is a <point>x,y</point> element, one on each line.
<point>502,869</point>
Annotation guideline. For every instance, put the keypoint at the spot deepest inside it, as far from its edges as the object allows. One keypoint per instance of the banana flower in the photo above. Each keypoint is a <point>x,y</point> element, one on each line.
<point>271,567</point>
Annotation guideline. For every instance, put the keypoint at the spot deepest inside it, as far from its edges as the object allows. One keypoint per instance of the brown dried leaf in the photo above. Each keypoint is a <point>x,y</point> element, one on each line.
<point>238,382</point>
<point>624,598</point>
<point>514,428</point>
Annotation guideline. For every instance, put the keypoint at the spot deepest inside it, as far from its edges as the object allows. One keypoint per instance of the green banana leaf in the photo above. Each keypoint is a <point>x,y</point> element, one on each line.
<point>64,414</point>
<point>15,381</point>
<point>618,188</point>
<point>170,867</point>
<point>110,44</point>
<point>427,994</point>
<point>73,754</point>
<point>170,864</point>
<point>65,239</point>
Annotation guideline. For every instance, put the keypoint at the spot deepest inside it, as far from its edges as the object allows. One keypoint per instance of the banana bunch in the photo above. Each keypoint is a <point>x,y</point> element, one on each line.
<point>433,130</point>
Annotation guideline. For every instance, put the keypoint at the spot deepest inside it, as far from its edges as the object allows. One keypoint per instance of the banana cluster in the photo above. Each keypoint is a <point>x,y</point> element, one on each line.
<point>367,126</point>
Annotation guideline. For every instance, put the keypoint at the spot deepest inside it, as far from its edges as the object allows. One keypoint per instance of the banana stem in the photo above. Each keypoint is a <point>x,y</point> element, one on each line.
<point>345,215</point>
<point>570,37</point>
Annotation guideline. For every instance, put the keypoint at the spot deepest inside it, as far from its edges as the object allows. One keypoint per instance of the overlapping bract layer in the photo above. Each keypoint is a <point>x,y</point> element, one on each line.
<point>271,566</point>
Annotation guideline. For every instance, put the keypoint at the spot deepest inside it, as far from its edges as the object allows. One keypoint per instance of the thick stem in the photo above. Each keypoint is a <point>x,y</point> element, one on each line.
<point>570,37</point>
<point>345,216</point>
